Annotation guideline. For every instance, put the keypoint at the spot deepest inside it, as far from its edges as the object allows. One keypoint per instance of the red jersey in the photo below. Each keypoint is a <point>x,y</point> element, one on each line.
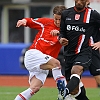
<point>44,41</point>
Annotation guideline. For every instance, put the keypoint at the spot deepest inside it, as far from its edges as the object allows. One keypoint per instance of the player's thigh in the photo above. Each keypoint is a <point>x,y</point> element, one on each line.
<point>34,58</point>
<point>83,59</point>
<point>52,63</point>
<point>46,67</point>
<point>94,68</point>
<point>68,66</point>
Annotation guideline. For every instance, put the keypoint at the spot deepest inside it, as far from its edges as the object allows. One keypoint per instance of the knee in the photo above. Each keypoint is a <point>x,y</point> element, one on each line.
<point>54,63</point>
<point>77,70</point>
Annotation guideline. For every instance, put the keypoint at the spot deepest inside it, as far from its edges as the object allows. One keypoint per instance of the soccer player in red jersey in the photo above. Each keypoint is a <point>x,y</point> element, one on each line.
<point>42,54</point>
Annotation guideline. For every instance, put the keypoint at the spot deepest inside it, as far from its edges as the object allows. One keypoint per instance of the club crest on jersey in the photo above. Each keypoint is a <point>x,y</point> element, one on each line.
<point>77,16</point>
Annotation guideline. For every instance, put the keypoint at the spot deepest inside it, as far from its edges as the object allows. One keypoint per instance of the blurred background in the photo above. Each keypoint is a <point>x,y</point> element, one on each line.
<point>15,41</point>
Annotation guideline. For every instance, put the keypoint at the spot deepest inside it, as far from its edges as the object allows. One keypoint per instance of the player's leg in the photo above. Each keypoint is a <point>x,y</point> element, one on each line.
<point>81,93</point>
<point>58,77</point>
<point>36,81</point>
<point>35,60</point>
<point>54,65</point>
<point>37,75</point>
<point>77,91</point>
<point>42,61</point>
<point>28,93</point>
<point>74,80</point>
<point>68,67</point>
<point>69,63</point>
<point>94,68</point>
<point>95,71</point>
<point>69,60</point>
<point>97,78</point>
<point>82,61</point>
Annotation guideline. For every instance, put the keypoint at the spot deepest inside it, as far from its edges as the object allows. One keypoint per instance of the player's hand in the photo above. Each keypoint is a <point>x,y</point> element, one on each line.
<point>54,32</point>
<point>63,41</point>
<point>21,22</point>
<point>96,46</point>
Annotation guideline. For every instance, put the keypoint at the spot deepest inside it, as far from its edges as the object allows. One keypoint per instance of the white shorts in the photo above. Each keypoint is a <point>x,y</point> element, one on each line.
<point>33,59</point>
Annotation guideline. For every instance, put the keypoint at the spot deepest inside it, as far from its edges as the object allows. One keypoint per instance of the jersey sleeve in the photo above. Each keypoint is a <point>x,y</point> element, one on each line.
<point>62,26</point>
<point>36,23</point>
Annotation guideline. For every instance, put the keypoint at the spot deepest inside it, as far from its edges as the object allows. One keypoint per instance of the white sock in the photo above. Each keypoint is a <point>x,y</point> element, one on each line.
<point>57,75</point>
<point>25,95</point>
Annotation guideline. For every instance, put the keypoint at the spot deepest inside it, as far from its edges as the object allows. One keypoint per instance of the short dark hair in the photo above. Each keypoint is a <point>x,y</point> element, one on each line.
<point>58,9</point>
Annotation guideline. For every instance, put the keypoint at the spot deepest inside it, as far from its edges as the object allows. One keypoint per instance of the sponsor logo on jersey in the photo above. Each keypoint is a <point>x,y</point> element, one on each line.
<point>76,28</point>
<point>47,57</point>
<point>77,16</point>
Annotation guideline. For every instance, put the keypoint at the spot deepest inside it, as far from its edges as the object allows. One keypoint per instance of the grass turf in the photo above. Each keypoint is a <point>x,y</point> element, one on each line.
<point>9,93</point>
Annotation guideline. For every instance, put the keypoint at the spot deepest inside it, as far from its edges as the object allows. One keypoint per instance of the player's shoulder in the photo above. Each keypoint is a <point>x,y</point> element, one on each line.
<point>92,10</point>
<point>67,11</point>
<point>95,13</point>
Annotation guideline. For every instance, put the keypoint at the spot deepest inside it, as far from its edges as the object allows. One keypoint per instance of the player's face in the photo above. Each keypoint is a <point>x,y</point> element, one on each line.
<point>57,20</point>
<point>80,4</point>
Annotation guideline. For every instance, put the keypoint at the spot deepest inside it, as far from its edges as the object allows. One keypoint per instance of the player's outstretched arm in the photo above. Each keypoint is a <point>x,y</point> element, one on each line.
<point>21,23</point>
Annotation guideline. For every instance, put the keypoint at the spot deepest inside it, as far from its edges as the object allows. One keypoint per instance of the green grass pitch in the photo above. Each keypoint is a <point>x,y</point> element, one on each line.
<point>9,93</point>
